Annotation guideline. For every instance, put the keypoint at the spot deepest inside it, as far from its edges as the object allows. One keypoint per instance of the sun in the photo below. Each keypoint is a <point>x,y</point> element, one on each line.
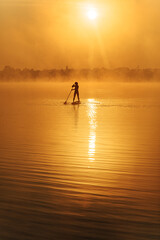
<point>92,14</point>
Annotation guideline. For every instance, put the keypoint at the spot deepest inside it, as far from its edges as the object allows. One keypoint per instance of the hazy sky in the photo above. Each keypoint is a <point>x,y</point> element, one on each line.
<point>55,33</point>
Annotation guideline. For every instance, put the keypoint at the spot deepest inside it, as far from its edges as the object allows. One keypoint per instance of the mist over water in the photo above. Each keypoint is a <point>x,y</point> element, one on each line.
<point>89,171</point>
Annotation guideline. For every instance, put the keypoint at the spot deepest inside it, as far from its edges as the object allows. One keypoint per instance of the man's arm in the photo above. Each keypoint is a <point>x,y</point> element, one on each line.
<point>73,87</point>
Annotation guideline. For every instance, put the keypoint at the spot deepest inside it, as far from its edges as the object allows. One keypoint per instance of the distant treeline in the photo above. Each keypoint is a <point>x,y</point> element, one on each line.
<point>99,74</point>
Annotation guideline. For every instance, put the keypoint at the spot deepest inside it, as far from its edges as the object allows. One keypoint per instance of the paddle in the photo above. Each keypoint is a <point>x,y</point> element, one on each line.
<point>68,97</point>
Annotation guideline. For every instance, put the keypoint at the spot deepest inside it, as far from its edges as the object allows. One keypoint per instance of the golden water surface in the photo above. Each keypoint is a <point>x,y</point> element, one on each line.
<point>88,171</point>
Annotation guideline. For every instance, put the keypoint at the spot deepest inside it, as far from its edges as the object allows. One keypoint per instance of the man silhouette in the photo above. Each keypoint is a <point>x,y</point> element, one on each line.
<point>75,87</point>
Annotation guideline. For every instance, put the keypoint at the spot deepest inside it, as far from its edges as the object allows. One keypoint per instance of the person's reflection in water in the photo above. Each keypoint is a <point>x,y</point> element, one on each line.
<point>75,87</point>
<point>76,112</point>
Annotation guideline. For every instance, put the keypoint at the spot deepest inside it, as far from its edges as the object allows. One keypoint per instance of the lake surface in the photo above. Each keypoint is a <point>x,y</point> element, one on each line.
<point>89,171</point>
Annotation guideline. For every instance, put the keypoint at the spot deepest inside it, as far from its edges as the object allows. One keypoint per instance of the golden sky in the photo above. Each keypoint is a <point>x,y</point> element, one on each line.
<point>55,33</point>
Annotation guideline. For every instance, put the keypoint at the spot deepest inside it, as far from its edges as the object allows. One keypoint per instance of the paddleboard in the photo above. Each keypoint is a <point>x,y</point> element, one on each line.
<point>75,103</point>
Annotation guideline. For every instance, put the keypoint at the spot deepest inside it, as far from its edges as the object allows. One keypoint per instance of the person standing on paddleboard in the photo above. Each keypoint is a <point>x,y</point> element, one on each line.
<point>75,87</point>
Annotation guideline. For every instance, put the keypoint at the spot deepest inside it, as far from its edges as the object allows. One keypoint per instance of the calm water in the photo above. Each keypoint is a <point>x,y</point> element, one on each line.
<point>79,172</point>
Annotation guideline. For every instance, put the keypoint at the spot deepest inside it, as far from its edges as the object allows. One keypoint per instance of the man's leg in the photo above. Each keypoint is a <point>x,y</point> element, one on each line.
<point>74,96</point>
<point>78,96</point>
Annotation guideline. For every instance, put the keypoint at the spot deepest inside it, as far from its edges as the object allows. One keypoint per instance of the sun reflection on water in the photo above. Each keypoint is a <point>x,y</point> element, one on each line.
<point>92,133</point>
<point>92,145</point>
